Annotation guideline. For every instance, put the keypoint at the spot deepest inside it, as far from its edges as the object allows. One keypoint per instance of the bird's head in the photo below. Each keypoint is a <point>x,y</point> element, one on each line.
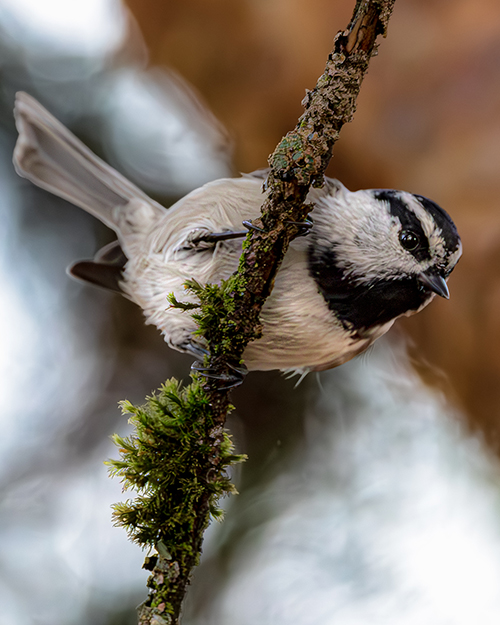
<point>377,254</point>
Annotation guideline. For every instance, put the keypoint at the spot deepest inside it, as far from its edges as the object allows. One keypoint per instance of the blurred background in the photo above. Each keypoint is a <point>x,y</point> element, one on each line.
<point>372,492</point>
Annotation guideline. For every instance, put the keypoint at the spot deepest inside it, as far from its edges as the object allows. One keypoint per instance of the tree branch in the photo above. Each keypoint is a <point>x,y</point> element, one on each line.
<point>178,456</point>
<point>298,162</point>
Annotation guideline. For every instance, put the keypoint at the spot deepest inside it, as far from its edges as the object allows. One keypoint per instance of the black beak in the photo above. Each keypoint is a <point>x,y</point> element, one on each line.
<point>436,284</point>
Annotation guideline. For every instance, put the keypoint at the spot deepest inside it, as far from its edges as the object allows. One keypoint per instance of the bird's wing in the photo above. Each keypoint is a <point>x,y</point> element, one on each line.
<point>105,270</point>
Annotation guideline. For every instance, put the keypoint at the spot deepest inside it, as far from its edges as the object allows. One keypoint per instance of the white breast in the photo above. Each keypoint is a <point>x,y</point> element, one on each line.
<point>300,332</point>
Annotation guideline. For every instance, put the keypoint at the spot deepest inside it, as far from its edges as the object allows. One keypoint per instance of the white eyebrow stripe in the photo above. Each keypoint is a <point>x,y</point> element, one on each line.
<point>426,220</point>
<point>431,230</point>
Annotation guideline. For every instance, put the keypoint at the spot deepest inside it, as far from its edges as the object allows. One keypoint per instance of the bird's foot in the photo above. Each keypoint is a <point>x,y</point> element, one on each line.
<point>232,377</point>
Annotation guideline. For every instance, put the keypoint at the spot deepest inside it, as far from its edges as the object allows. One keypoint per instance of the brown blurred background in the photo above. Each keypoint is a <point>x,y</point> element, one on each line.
<point>428,121</point>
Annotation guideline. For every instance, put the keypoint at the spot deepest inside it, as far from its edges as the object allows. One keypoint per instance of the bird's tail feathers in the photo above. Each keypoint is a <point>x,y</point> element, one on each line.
<point>51,157</point>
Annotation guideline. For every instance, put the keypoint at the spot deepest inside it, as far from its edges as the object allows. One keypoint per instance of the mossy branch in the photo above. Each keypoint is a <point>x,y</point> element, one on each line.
<point>176,462</point>
<point>178,457</point>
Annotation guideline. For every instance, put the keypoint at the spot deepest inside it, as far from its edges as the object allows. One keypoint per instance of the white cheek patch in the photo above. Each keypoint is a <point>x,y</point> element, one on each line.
<point>364,236</point>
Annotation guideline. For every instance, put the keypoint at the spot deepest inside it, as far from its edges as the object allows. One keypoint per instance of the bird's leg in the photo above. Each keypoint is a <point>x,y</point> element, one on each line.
<point>215,237</point>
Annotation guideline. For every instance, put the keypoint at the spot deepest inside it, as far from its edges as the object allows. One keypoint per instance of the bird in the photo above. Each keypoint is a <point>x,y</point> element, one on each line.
<point>368,257</point>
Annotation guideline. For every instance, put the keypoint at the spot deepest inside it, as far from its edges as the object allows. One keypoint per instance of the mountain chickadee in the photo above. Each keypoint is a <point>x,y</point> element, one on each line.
<point>369,257</point>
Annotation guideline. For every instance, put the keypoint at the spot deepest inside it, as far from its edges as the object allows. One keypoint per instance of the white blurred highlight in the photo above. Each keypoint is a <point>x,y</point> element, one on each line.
<point>160,134</point>
<point>59,550</point>
<point>67,556</point>
<point>391,517</point>
<point>75,27</point>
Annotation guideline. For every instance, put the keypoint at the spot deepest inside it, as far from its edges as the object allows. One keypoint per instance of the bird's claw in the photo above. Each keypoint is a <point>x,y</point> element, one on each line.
<point>196,350</point>
<point>232,378</point>
<point>250,226</point>
<point>303,226</point>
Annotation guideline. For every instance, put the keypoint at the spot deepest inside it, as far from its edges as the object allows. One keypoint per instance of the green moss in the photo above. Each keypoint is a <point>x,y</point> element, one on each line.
<point>176,462</point>
<point>216,315</point>
<point>174,303</point>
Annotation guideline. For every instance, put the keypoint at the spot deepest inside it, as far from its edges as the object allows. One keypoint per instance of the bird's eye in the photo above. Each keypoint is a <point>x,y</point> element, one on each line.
<point>409,240</point>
